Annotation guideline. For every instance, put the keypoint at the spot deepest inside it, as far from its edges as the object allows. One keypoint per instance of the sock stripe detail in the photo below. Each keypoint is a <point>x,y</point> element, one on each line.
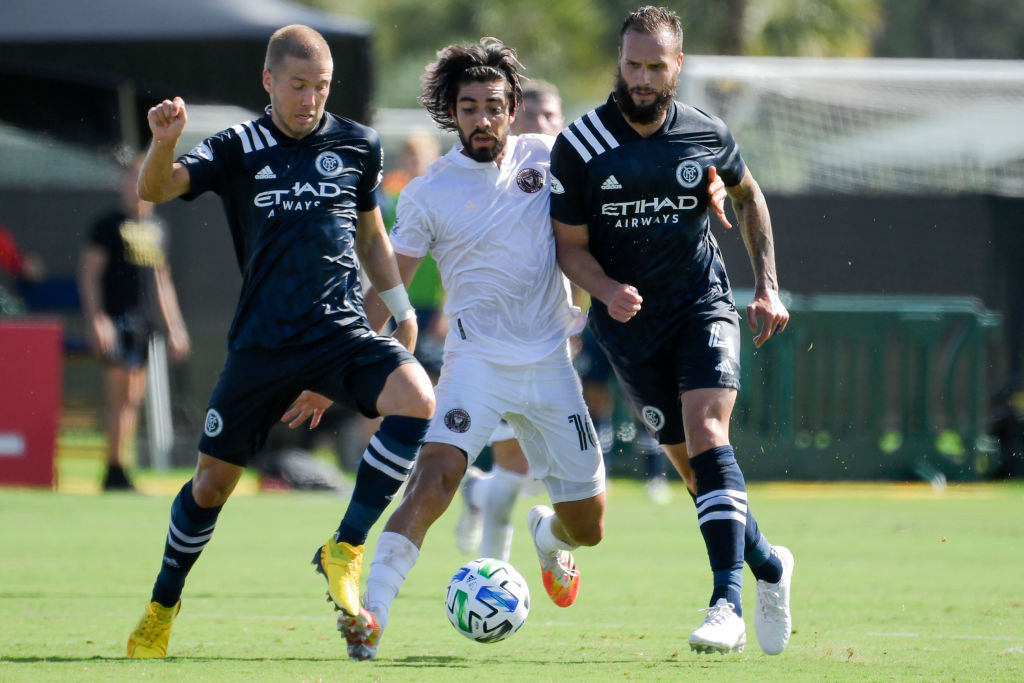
<point>722,504</point>
<point>721,501</point>
<point>175,533</point>
<point>387,462</point>
<point>734,493</point>
<point>382,451</point>
<point>724,514</point>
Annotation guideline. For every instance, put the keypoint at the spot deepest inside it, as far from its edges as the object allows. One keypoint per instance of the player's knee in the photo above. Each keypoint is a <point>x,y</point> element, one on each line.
<point>437,475</point>
<point>706,434</point>
<point>418,403</point>
<point>209,492</point>
<point>214,481</point>
<point>587,532</point>
<point>592,535</point>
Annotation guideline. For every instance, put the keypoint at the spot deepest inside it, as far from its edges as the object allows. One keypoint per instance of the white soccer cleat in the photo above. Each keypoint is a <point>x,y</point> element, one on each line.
<point>723,630</point>
<point>469,530</point>
<point>772,621</point>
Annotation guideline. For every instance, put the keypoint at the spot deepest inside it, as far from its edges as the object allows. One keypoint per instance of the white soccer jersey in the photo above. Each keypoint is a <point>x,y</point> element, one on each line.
<point>489,230</point>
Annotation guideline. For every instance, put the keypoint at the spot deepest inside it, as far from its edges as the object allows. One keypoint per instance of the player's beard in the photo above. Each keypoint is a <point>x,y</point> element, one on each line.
<point>481,154</point>
<point>642,114</point>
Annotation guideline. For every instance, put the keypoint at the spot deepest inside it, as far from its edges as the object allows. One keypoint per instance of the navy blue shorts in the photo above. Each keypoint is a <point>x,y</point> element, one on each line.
<point>591,363</point>
<point>256,386</point>
<point>131,345</point>
<point>703,353</point>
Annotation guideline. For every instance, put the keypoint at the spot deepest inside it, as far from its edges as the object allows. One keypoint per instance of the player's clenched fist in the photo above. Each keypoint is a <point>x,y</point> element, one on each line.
<point>624,303</point>
<point>167,120</point>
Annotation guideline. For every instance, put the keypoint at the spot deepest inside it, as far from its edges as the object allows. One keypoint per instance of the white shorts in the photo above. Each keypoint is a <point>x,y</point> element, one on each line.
<point>544,404</point>
<point>503,432</point>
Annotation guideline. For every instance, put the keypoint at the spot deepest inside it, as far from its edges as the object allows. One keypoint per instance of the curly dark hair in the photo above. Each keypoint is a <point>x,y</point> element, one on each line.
<point>483,62</point>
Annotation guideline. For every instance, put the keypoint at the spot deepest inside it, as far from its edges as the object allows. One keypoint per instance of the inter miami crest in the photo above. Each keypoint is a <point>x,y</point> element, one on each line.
<point>530,180</point>
<point>457,420</point>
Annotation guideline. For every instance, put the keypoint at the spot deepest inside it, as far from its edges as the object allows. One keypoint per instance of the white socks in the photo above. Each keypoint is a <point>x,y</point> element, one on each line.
<point>393,559</point>
<point>546,541</point>
<point>497,495</point>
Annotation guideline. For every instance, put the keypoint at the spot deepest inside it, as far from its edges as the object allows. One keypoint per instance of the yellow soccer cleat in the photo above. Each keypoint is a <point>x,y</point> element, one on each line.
<point>151,635</point>
<point>340,564</point>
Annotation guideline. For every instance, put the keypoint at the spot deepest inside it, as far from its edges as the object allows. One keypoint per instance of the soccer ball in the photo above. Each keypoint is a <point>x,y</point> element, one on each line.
<point>487,600</point>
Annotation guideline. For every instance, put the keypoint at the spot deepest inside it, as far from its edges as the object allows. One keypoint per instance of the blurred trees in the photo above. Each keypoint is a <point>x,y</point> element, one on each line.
<point>954,29</point>
<point>573,42</point>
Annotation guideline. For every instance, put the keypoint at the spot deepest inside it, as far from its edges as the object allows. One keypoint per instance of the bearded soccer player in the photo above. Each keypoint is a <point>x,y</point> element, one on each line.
<point>631,218</point>
<point>299,189</point>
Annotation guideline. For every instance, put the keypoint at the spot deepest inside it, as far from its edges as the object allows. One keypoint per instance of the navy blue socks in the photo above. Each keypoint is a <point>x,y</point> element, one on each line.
<point>190,530</point>
<point>722,516</point>
<point>386,464</point>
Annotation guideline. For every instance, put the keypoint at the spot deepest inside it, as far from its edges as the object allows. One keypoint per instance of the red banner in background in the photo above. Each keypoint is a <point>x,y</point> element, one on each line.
<point>31,358</point>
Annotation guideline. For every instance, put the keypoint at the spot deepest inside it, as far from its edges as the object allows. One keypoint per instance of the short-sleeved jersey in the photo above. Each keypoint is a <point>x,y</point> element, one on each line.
<point>292,206</point>
<point>489,230</point>
<point>134,247</point>
<point>645,203</point>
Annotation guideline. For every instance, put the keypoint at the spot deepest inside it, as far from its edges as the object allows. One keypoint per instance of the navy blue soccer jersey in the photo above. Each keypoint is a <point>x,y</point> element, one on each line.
<point>645,203</point>
<point>292,208</point>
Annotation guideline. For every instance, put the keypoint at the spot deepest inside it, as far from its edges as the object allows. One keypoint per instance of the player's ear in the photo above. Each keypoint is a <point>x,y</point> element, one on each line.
<point>268,80</point>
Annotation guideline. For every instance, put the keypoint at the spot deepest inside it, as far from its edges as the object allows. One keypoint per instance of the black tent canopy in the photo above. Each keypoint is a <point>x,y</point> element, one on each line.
<point>88,71</point>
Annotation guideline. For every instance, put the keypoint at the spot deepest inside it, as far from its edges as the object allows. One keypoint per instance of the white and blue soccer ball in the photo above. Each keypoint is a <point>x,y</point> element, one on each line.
<point>487,600</point>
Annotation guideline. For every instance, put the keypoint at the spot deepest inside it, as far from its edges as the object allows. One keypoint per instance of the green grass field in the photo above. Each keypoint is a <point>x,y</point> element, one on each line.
<point>892,582</point>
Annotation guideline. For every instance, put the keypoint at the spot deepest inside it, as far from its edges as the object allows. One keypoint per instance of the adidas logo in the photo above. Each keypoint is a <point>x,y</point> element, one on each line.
<point>610,183</point>
<point>265,173</point>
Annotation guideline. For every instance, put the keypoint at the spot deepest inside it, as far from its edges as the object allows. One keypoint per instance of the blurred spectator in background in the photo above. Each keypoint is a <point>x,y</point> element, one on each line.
<point>16,268</point>
<point>125,285</point>
<point>541,110</point>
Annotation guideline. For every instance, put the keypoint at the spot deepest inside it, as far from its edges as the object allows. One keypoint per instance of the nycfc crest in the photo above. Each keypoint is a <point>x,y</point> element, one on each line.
<point>654,418</point>
<point>530,180</point>
<point>214,423</point>
<point>329,164</point>
<point>689,174</point>
<point>457,420</point>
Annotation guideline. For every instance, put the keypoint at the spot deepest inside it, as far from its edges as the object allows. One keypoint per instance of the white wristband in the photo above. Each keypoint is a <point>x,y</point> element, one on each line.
<point>397,301</point>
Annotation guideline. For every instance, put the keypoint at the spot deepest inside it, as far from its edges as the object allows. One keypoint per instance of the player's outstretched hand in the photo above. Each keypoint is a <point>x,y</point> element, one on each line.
<point>767,310</point>
<point>167,120</point>
<point>624,303</point>
<point>407,333</point>
<point>309,405</point>
<point>717,194</point>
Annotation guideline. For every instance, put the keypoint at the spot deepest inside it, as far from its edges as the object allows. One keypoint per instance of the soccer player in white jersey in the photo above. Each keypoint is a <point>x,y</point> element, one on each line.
<point>482,212</point>
<point>484,528</point>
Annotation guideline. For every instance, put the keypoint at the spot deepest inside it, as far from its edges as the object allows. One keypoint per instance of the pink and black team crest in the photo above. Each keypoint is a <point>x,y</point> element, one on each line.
<point>530,180</point>
<point>457,420</point>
